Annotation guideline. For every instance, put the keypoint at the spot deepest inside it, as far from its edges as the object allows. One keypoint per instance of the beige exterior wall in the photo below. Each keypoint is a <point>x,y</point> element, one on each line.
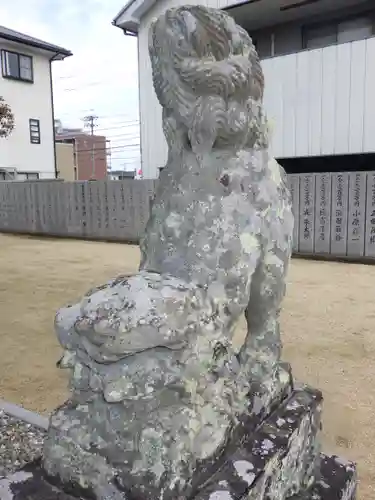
<point>65,161</point>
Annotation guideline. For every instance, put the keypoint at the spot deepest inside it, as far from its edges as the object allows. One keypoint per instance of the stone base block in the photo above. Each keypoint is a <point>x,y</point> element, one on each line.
<point>279,460</point>
<point>336,480</point>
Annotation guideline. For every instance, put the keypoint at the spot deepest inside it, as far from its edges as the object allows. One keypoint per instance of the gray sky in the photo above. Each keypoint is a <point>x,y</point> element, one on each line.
<point>100,78</point>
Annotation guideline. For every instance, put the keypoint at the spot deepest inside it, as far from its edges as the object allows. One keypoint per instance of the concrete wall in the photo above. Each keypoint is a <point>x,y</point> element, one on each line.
<point>334,212</point>
<point>29,101</point>
<point>65,161</point>
<point>111,210</point>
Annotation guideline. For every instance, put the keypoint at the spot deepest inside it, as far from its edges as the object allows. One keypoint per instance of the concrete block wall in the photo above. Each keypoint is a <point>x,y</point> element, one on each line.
<point>334,212</point>
<point>109,210</point>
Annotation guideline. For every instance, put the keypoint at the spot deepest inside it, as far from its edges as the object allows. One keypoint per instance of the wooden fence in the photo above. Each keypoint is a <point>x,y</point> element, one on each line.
<point>334,212</point>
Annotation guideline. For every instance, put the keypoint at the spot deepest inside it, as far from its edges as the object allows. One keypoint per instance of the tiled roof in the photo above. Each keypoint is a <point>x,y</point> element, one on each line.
<point>16,36</point>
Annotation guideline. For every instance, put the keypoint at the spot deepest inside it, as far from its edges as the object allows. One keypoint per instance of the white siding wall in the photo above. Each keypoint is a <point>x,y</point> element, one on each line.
<point>29,100</point>
<point>320,102</point>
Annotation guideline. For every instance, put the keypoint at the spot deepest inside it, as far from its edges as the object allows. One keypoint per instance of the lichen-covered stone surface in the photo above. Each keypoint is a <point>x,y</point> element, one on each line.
<point>158,391</point>
<point>276,459</point>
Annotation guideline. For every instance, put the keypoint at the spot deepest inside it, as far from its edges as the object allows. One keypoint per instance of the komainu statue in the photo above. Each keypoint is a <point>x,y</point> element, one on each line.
<point>159,393</point>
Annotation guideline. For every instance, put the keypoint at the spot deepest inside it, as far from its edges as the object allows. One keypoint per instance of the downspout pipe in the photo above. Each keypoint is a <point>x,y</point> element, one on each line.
<point>53,112</point>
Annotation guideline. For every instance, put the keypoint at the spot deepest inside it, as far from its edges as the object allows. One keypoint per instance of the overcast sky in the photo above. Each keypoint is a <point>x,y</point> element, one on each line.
<point>100,78</point>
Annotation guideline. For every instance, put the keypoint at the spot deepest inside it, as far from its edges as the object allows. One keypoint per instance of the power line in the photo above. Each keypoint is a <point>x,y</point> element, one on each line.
<point>126,159</point>
<point>89,84</point>
<point>99,116</point>
<point>116,140</point>
<point>98,129</point>
<point>108,148</point>
<point>130,121</point>
<point>125,135</point>
<point>120,126</point>
<point>75,75</point>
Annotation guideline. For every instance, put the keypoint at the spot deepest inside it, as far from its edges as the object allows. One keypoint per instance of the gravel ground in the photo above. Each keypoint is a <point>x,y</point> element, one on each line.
<point>20,443</point>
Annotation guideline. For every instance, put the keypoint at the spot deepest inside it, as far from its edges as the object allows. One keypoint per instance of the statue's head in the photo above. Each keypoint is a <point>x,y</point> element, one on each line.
<point>207,77</point>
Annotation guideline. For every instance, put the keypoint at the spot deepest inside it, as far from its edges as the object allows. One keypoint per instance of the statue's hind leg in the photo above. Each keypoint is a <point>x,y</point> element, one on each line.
<point>261,351</point>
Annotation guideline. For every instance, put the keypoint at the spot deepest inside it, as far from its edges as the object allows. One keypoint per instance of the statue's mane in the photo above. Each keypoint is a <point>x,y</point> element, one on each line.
<point>211,84</point>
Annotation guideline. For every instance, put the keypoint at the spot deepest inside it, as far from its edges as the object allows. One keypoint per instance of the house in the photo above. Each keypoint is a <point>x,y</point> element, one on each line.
<point>65,162</point>
<point>318,60</point>
<point>26,85</point>
<point>120,175</point>
<point>90,153</point>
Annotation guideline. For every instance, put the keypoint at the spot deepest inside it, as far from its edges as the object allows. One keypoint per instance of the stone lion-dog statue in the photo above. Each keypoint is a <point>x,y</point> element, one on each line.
<point>157,386</point>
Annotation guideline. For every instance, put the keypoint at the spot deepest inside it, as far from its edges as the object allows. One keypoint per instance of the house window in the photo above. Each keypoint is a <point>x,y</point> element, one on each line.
<point>354,29</point>
<point>34,131</point>
<point>6,175</point>
<point>17,66</point>
<point>263,43</point>
<point>24,176</point>
<point>320,36</point>
<point>332,33</point>
<point>32,176</point>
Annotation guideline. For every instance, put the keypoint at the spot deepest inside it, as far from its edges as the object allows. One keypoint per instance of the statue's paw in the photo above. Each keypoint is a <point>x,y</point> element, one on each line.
<point>65,321</point>
<point>67,360</point>
<point>128,316</point>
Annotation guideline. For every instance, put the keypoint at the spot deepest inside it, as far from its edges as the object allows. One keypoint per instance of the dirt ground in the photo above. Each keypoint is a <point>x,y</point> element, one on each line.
<point>328,326</point>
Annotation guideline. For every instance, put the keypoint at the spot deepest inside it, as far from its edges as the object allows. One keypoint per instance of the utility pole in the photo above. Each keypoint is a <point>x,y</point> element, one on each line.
<point>108,153</point>
<point>89,122</point>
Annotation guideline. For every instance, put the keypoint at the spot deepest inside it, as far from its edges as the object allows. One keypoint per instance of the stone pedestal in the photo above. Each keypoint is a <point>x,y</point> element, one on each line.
<point>276,458</point>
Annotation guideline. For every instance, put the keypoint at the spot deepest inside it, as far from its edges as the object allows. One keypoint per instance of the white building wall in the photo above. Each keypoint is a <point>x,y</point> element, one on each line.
<point>29,100</point>
<point>320,102</point>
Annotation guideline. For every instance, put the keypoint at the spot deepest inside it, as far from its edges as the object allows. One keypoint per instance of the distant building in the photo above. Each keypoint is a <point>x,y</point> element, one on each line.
<point>26,85</point>
<point>66,167</point>
<point>89,151</point>
<point>119,175</point>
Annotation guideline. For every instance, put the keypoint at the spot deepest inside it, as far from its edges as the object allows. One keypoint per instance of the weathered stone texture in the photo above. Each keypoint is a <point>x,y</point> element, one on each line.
<point>156,386</point>
<point>275,459</point>
<point>159,396</point>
